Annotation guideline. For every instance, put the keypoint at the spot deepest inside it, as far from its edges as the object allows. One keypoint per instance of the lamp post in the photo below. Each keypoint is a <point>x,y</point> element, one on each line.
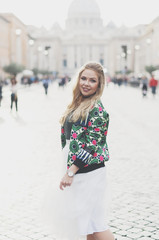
<point>46,53</point>
<point>118,65</point>
<point>39,56</point>
<point>136,59</point>
<point>31,44</point>
<point>148,53</point>
<point>124,57</point>
<point>18,48</point>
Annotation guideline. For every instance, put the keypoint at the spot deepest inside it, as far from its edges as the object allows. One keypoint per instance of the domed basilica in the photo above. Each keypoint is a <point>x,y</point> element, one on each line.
<point>84,38</point>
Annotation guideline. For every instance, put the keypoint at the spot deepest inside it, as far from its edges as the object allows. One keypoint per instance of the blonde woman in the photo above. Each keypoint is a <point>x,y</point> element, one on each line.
<point>83,137</point>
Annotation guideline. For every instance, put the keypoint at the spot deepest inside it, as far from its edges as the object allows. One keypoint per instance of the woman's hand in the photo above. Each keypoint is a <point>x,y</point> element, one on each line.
<point>66,181</point>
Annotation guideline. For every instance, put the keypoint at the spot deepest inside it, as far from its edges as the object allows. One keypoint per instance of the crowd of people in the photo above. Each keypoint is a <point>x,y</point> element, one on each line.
<point>15,85</point>
<point>143,82</point>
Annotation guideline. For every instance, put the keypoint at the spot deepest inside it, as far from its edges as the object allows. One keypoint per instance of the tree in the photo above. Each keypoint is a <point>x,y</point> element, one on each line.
<point>44,72</point>
<point>35,71</point>
<point>151,68</point>
<point>13,68</point>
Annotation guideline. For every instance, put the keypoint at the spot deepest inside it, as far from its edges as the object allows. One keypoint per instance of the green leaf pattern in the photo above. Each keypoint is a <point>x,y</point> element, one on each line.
<point>92,135</point>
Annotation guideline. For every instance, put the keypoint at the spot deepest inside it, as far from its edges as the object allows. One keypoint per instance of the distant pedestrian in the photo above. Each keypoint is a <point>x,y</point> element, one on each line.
<point>144,82</point>
<point>119,80</point>
<point>62,82</point>
<point>1,85</point>
<point>14,97</point>
<point>46,82</point>
<point>153,84</point>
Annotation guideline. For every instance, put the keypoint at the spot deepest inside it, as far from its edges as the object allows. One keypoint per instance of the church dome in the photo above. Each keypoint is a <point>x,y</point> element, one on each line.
<point>82,8</point>
<point>84,15</point>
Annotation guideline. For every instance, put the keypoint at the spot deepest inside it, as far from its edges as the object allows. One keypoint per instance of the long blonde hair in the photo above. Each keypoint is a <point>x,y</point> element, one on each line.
<point>80,106</point>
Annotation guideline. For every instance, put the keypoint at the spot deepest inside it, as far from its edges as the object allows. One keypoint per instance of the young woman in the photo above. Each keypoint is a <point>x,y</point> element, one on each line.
<point>83,136</point>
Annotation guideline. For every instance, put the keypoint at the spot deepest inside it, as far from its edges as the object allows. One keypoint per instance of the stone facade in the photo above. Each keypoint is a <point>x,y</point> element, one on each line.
<point>4,44</point>
<point>14,40</point>
<point>84,38</point>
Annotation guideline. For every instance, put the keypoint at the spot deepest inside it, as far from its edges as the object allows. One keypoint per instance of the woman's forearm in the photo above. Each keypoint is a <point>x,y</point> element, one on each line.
<point>74,168</point>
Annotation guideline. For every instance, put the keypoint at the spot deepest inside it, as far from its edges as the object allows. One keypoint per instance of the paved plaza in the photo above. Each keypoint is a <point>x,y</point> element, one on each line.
<point>30,147</point>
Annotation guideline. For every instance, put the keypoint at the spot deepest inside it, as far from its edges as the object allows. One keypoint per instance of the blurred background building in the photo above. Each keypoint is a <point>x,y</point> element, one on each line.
<point>85,38</point>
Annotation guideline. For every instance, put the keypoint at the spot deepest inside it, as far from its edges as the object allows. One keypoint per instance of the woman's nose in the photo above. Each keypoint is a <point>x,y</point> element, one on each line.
<point>86,82</point>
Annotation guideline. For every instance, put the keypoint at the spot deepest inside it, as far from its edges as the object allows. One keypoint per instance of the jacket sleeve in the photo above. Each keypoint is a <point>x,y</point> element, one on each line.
<point>93,136</point>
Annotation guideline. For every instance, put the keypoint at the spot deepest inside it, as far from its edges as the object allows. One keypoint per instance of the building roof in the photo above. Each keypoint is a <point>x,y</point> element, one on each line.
<point>4,19</point>
<point>84,8</point>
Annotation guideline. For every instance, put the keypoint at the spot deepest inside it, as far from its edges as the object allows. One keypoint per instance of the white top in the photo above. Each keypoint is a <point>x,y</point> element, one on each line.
<point>14,88</point>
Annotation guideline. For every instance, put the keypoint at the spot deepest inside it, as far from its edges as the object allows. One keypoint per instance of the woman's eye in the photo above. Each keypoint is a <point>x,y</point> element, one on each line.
<point>83,78</point>
<point>92,80</point>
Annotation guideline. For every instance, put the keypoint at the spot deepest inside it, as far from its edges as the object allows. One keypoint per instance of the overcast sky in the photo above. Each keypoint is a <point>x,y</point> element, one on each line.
<point>46,12</point>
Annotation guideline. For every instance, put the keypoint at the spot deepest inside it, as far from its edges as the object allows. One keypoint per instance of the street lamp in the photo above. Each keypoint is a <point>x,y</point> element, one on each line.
<point>148,40</point>
<point>136,59</point>
<point>124,51</point>
<point>18,49</point>
<point>31,43</point>
<point>129,52</point>
<point>137,47</point>
<point>46,53</point>
<point>124,56</point>
<point>40,49</point>
<point>18,31</point>
<point>148,52</point>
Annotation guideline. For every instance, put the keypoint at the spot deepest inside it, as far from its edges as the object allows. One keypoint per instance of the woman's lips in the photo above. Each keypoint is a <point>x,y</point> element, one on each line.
<point>85,89</point>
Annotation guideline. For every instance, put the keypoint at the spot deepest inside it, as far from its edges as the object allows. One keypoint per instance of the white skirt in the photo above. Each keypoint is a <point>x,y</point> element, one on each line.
<point>80,209</point>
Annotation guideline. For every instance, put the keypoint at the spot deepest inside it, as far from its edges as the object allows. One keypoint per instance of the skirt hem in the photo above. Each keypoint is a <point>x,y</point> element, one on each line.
<point>91,232</point>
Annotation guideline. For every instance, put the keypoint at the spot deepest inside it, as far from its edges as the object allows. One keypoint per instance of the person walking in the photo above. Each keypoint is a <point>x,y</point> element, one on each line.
<point>14,97</point>
<point>46,82</point>
<point>144,82</point>
<point>84,127</point>
<point>153,85</point>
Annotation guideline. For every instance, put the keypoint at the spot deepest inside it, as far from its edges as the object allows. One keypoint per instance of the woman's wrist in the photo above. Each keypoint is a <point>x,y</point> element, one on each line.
<point>72,170</point>
<point>70,173</point>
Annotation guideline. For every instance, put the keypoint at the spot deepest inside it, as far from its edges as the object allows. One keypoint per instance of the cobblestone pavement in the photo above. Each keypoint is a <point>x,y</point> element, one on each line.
<point>29,143</point>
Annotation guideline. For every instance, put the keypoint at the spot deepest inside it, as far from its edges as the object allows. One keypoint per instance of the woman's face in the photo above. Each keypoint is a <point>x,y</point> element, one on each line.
<point>88,82</point>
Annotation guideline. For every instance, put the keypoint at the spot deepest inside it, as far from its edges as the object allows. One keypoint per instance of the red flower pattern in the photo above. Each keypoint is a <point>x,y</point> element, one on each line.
<point>74,135</point>
<point>89,124</point>
<point>95,154</point>
<point>94,142</point>
<point>101,158</point>
<point>74,157</point>
<point>62,130</point>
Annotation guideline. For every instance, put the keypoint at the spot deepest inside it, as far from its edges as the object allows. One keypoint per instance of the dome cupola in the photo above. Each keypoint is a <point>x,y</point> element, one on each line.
<point>83,15</point>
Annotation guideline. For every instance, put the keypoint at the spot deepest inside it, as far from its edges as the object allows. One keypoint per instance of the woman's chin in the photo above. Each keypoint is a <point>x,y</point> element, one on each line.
<point>86,95</point>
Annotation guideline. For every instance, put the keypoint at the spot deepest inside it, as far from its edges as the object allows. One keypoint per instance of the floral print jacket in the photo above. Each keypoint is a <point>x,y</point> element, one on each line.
<point>89,136</point>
